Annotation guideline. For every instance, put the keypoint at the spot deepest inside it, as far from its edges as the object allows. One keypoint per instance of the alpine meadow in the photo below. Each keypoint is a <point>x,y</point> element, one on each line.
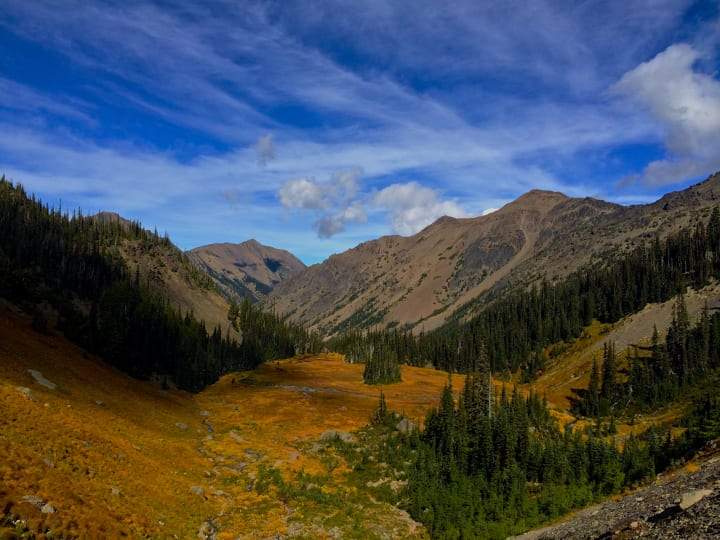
<point>360,270</point>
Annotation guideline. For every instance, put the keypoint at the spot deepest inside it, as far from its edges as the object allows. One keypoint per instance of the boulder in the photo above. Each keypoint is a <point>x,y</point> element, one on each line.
<point>41,380</point>
<point>331,435</point>
<point>48,509</point>
<point>691,498</point>
<point>207,531</point>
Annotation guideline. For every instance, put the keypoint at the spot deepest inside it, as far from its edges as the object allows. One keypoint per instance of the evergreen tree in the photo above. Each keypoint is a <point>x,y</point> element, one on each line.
<point>608,390</point>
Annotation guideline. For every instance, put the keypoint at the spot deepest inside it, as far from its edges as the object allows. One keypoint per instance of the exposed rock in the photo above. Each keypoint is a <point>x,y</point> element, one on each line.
<point>248,270</point>
<point>25,391</point>
<point>41,380</point>
<point>197,490</point>
<point>424,279</point>
<point>398,485</point>
<point>693,497</point>
<point>181,425</point>
<point>406,426</point>
<point>48,509</point>
<point>235,436</point>
<point>331,435</point>
<point>253,454</point>
<point>34,500</point>
<point>207,531</point>
<point>679,506</point>
<point>115,491</point>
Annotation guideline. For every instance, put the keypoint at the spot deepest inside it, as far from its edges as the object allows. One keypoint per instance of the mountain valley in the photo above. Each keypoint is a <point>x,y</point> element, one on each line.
<point>258,427</point>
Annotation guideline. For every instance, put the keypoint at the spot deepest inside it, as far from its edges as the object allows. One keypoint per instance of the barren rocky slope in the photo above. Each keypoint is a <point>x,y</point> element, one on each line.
<point>683,504</point>
<point>247,270</point>
<point>423,279</point>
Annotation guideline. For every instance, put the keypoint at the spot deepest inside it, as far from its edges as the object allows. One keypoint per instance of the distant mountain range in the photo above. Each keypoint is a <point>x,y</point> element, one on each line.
<point>456,265</point>
<point>450,269</point>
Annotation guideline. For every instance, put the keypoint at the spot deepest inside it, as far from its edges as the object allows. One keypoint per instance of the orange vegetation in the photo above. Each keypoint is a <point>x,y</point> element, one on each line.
<point>115,457</point>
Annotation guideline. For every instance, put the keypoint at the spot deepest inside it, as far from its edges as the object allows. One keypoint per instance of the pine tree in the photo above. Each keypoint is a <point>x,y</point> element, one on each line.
<point>592,407</point>
<point>609,385</point>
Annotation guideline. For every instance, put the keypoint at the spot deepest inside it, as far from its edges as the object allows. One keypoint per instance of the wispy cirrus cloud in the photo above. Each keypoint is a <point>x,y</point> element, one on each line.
<point>196,106</point>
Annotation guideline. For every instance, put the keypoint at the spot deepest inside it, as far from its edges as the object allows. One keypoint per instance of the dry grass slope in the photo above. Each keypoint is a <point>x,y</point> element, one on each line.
<point>118,457</point>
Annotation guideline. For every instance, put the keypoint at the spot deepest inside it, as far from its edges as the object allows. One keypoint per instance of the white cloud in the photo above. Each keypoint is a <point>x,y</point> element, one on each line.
<point>414,207</point>
<point>686,105</point>
<point>330,225</point>
<point>265,148</point>
<point>333,201</point>
<point>488,211</point>
<point>303,193</point>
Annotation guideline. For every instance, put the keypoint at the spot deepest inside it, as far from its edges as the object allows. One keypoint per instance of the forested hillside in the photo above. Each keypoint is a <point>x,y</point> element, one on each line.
<point>516,328</point>
<point>70,271</point>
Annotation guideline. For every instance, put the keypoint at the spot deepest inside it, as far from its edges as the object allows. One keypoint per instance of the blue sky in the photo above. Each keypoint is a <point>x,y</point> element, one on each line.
<point>313,125</point>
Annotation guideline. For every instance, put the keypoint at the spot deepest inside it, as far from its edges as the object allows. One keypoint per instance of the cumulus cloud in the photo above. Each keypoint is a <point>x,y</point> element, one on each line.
<point>330,225</point>
<point>334,201</point>
<point>488,211</point>
<point>303,193</point>
<point>686,105</point>
<point>413,206</point>
<point>265,148</point>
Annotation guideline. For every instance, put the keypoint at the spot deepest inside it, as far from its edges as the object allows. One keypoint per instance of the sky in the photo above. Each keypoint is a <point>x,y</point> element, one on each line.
<point>316,125</point>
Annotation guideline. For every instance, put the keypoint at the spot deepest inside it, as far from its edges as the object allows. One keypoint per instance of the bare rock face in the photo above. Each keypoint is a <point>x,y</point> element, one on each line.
<point>247,270</point>
<point>421,280</point>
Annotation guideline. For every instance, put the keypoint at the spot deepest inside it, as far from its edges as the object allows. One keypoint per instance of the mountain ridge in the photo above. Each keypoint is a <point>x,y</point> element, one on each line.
<point>247,269</point>
<point>419,281</point>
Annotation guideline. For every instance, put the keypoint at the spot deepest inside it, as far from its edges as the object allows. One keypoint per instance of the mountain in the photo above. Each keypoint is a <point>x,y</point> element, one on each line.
<point>247,270</point>
<point>422,280</point>
<point>169,271</point>
<point>319,420</point>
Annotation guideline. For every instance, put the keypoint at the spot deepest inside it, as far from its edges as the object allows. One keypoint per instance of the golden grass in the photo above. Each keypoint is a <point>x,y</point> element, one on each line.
<point>106,451</point>
<point>119,457</point>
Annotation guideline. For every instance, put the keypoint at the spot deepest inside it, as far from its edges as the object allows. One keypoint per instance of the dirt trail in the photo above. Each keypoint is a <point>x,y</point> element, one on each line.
<point>525,251</point>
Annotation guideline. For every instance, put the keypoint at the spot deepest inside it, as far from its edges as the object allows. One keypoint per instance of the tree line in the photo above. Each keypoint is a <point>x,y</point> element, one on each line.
<point>73,263</point>
<point>515,328</point>
<point>489,466</point>
<point>657,374</point>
